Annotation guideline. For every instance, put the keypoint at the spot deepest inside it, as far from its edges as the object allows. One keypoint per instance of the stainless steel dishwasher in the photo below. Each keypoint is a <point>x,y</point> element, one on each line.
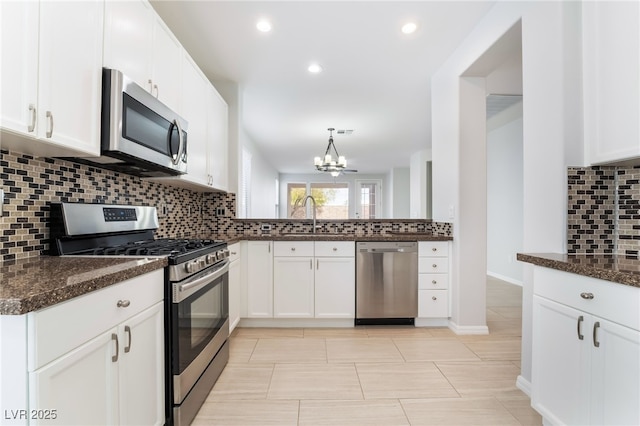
<point>386,282</point>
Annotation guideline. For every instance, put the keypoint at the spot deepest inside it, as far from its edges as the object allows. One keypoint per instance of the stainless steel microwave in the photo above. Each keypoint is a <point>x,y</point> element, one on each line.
<point>139,134</point>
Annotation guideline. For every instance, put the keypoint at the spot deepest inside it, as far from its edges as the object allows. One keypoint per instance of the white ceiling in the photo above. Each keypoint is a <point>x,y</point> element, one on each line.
<point>376,80</point>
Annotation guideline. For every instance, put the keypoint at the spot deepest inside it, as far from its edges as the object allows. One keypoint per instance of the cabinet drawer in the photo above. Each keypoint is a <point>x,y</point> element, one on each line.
<point>433,265</point>
<point>293,248</point>
<point>433,248</point>
<point>433,303</point>
<point>433,281</point>
<point>56,330</point>
<point>616,302</point>
<point>335,248</point>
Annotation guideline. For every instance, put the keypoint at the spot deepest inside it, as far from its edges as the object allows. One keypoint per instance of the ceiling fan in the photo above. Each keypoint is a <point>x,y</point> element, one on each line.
<point>328,163</point>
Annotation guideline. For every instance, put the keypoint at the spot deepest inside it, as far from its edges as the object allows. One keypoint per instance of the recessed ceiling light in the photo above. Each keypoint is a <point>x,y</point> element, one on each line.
<point>315,68</point>
<point>409,28</point>
<point>263,25</point>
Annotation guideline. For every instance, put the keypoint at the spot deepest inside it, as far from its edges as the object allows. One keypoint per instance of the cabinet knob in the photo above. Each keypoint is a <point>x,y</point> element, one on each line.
<point>335,249</point>
<point>434,265</point>
<point>587,296</point>
<point>434,282</point>
<point>293,249</point>
<point>123,303</point>
<point>434,249</point>
<point>434,298</point>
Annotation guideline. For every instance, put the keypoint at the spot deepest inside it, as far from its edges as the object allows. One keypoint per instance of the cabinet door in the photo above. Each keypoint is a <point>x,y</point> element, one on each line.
<point>561,360</point>
<point>611,65</point>
<point>194,109</point>
<point>615,370</point>
<point>234,294</point>
<point>70,74</point>
<point>335,287</point>
<point>19,55</point>
<point>141,368</point>
<point>167,64</point>
<point>218,140</point>
<point>81,386</point>
<point>293,287</point>
<point>259,279</point>
<point>128,39</point>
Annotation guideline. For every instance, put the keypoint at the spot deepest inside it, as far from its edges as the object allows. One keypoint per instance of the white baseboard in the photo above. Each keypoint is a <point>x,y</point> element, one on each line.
<point>431,322</point>
<point>505,278</point>
<point>296,323</point>
<point>468,329</point>
<point>524,385</point>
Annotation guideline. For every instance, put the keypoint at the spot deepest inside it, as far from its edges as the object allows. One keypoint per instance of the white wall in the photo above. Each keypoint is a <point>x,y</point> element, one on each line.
<point>262,202</point>
<point>504,194</point>
<point>550,71</point>
<point>418,184</point>
<point>397,194</point>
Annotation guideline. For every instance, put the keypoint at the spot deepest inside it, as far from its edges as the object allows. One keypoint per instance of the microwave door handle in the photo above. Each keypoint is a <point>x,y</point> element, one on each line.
<point>178,158</point>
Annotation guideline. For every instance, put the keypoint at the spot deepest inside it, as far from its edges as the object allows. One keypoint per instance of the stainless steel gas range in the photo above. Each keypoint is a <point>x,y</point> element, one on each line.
<point>196,291</point>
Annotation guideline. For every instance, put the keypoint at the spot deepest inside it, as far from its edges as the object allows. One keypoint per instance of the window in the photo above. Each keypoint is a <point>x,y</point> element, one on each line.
<point>295,195</point>
<point>332,200</point>
<point>368,199</point>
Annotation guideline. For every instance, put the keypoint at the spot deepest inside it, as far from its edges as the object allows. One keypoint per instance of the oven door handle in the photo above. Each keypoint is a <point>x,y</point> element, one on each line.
<point>192,287</point>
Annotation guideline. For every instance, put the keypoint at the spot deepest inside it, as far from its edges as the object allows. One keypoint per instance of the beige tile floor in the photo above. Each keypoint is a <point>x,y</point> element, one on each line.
<point>376,375</point>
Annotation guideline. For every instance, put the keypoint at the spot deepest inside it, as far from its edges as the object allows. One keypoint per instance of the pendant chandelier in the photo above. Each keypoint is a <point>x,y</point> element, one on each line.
<point>328,163</point>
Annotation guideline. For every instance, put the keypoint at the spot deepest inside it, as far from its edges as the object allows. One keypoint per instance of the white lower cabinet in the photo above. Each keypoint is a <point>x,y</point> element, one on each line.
<point>433,279</point>
<point>259,279</point>
<point>586,350</point>
<point>235,284</point>
<point>116,378</point>
<point>95,359</point>
<point>314,279</point>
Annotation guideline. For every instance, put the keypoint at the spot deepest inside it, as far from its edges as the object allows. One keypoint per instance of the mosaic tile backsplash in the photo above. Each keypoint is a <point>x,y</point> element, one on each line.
<point>604,210</point>
<point>31,184</point>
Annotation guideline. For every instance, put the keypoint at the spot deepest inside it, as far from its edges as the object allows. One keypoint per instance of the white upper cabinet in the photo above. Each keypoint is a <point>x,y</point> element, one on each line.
<point>611,66</point>
<point>218,125</point>
<point>51,77</point>
<point>128,29</point>
<point>140,45</point>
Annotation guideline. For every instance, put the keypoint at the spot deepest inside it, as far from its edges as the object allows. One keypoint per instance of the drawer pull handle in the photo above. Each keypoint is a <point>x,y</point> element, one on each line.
<point>596,326</point>
<point>127,330</point>
<point>580,319</point>
<point>434,298</point>
<point>586,296</point>
<point>123,303</point>
<point>114,358</point>
<point>233,253</point>
<point>434,249</point>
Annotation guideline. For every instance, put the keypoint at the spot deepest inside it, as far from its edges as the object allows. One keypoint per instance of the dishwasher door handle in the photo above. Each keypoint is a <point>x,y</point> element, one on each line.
<point>389,250</point>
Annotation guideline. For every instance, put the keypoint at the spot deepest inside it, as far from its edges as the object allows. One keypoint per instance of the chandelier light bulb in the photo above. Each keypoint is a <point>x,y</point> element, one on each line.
<point>342,161</point>
<point>335,174</point>
<point>317,161</point>
<point>327,159</point>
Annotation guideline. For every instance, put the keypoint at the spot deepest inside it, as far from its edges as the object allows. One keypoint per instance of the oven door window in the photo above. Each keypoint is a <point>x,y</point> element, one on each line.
<point>197,319</point>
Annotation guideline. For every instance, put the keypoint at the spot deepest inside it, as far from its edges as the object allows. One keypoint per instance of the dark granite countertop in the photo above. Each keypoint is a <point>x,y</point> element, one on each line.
<point>402,236</point>
<point>617,269</point>
<point>30,284</point>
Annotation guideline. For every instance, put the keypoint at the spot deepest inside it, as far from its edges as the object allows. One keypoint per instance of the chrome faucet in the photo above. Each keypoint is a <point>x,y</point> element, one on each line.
<point>304,204</point>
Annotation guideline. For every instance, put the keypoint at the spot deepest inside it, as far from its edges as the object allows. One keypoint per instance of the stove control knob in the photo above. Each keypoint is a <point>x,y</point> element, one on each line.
<point>202,263</point>
<point>189,267</point>
<point>211,258</point>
